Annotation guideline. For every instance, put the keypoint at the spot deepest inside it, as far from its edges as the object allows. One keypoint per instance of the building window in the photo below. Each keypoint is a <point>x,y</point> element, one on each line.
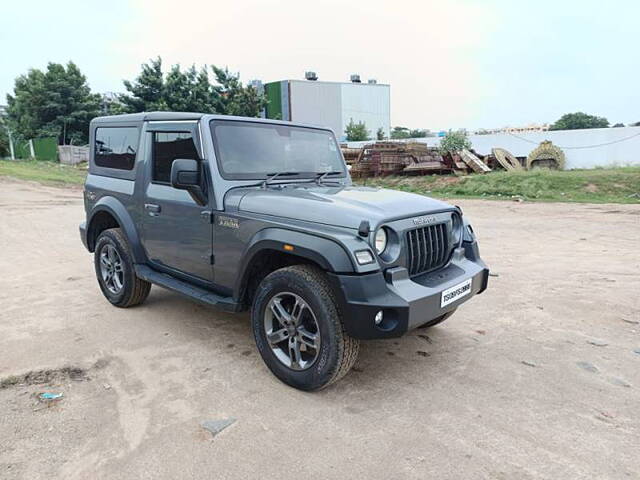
<point>115,147</point>
<point>167,147</point>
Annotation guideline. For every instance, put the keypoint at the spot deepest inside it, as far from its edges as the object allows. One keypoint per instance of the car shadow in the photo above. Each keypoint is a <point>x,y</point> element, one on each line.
<point>422,355</point>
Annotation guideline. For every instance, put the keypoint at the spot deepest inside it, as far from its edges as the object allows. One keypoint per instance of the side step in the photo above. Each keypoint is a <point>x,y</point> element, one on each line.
<point>196,293</point>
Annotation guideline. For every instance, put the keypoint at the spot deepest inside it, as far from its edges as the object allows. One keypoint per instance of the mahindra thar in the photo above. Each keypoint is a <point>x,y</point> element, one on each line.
<point>261,215</point>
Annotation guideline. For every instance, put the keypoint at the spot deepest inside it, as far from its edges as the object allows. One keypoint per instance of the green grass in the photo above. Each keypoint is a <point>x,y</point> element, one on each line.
<point>614,185</point>
<point>51,173</point>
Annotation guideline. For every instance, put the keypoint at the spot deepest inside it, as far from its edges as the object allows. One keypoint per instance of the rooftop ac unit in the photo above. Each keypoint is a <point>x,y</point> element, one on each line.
<point>310,76</point>
<point>355,78</point>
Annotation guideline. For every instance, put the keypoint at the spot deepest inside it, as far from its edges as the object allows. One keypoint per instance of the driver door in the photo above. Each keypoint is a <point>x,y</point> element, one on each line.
<point>178,233</point>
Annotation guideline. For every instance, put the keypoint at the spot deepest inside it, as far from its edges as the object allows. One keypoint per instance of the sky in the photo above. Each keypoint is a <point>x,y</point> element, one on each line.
<point>451,64</point>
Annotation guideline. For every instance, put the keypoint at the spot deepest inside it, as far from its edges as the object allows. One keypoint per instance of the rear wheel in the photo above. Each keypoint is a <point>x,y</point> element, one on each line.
<point>115,272</point>
<point>298,328</point>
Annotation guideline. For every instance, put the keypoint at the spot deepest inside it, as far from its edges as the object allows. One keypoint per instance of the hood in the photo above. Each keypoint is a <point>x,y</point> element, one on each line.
<point>339,206</point>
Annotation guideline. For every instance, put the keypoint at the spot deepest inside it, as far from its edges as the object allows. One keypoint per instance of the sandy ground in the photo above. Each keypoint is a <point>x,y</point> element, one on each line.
<point>509,388</point>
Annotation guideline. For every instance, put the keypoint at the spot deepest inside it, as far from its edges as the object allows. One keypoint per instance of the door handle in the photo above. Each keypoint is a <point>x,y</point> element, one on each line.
<point>152,208</point>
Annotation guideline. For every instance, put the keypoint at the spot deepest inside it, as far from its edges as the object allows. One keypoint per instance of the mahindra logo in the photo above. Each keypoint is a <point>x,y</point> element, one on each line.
<point>424,220</point>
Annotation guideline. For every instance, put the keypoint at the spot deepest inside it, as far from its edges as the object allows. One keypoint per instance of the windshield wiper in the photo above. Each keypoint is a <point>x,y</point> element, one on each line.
<point>272,176</point>
<point>322,176</point>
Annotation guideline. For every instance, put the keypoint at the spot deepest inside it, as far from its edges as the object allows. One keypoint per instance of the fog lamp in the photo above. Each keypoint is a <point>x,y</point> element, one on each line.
<point>378,318</point>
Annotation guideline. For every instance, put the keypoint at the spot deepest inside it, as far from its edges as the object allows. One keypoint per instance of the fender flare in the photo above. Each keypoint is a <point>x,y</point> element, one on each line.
<point>114,207</point>
<point>328,254</point>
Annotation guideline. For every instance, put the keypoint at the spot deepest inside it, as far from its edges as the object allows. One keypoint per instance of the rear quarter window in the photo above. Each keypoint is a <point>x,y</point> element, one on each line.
<point>116,147</point>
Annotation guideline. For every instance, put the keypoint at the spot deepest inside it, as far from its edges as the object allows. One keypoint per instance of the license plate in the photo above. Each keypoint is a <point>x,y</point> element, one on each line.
<point>456,292</point>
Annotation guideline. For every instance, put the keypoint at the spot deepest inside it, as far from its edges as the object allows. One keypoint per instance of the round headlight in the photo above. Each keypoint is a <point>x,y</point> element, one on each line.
<point>381,240</point>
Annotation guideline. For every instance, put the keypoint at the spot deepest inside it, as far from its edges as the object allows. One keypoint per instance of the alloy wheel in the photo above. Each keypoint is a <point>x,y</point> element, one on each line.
<point>111,269</point>
<point>292,330</point>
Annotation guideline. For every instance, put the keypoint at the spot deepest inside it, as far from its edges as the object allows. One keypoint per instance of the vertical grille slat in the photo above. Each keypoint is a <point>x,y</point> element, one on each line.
<point>439,247</point>
<point>443,243</point>
<point>411,254</point>
<point>427,248</point>
<point>430,246</point>
<point>423,237</point>
<point>418,250</point>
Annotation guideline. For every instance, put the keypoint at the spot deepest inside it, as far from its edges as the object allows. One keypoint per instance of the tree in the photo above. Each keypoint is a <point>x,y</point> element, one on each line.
<point>190,91</point>
<point>417,133</point>
<point>579,120</point>
<point>146,92</point>
<point>454,142</point>
<point>380,134</point>
<point>4,140</point>
<point>56,103</point>
<point>637,124</point>
<point>398,133</point>
<point>234,98</point>
<point>356,132</point>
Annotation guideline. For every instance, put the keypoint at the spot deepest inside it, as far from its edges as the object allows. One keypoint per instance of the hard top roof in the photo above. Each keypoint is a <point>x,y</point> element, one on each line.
<point>181,116</point>
<point>141,117</point>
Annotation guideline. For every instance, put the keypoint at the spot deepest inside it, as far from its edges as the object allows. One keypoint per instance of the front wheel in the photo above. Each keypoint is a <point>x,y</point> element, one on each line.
<point>298,328</point>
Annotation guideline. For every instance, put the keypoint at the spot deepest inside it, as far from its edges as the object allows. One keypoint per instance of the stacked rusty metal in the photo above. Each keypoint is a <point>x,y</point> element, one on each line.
<point>397,158</point>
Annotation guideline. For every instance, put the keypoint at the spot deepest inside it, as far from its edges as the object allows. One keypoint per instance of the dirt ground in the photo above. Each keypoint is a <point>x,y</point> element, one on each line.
<point>539,377</point>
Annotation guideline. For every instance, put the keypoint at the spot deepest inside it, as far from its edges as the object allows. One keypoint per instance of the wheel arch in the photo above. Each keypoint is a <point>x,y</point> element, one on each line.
<point>109,212</point>
<point>275,248</point>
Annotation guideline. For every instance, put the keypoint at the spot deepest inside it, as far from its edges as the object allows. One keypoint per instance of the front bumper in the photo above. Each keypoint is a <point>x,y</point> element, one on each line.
<point>406,302</point>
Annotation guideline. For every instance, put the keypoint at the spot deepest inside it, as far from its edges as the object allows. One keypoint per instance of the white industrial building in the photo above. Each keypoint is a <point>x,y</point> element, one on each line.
<point>330,104</point>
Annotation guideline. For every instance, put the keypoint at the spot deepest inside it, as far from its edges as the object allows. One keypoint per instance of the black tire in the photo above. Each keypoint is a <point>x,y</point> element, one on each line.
<point>337,351</point>
<point>438,320</point>
<point>133,290</point>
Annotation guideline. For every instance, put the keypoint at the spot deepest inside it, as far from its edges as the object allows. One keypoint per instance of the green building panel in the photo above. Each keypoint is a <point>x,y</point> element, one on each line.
<point>273,93</point>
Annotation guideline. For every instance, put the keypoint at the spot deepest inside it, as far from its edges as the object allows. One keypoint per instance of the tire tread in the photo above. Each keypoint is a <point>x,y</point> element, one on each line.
<point>348,347</point>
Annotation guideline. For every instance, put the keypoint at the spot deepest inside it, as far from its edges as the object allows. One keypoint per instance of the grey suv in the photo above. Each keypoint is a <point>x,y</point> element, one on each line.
<point>245,213</point>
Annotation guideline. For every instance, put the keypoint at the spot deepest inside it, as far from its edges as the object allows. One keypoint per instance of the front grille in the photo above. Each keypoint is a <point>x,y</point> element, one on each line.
<point>427,248</point>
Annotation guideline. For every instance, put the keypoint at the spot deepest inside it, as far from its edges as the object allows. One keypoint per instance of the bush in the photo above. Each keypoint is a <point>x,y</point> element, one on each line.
<point>454,142</point>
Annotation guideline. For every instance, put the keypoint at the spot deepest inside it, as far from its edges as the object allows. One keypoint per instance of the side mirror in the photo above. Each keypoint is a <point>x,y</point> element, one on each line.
<point>185,175</point>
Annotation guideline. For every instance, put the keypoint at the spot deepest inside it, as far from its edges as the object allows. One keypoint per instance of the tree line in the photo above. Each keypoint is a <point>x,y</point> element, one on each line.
<point>58,101</point>
<point>356,132</point>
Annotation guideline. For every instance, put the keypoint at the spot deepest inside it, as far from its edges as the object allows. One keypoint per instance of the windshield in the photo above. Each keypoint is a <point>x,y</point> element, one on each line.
<point>252,150</point>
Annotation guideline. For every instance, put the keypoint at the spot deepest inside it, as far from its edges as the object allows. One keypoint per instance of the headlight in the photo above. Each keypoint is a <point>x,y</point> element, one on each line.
<point>381,240</point>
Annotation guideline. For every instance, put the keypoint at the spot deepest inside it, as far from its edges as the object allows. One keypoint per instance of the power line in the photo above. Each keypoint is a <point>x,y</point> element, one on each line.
<point>577,148</point>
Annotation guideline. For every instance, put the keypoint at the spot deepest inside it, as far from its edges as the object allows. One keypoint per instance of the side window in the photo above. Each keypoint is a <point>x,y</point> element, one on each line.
<point>115,147</point>
<point>167,147</point>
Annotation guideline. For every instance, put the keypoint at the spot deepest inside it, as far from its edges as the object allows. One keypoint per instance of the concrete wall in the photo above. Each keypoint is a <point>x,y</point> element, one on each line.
<point>597,147</point>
